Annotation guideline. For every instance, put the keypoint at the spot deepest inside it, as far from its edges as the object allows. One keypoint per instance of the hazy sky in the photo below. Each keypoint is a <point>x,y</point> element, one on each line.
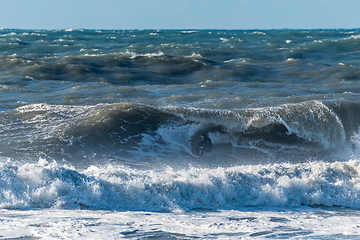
<point>179,14</point>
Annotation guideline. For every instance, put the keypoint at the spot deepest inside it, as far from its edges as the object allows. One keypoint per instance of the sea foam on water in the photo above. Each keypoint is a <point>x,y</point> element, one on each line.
<point>99,130</point>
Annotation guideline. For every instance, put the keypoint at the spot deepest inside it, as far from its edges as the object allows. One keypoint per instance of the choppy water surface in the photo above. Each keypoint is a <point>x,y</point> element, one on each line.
<point>107,120</point>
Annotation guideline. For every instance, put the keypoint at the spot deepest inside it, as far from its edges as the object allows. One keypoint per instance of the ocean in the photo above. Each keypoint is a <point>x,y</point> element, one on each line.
<point>99,132</point>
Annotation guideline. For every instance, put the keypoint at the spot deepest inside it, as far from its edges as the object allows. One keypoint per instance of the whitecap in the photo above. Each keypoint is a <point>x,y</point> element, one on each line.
<point>291,60</point>
<point>189,31</point>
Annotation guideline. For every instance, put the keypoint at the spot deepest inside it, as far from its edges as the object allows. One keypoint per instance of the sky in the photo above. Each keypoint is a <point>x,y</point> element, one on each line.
<point>179,14</point>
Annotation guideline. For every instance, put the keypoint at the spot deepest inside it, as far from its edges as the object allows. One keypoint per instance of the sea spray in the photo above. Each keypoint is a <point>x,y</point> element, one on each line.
<point>119,188</point>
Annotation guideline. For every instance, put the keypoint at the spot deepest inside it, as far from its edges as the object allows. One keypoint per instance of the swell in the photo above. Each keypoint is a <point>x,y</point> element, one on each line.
<point>171,57</point>
<point>79,132</point>
<point>134,131</point>
<point>131,69</point>
<point>121,69</point>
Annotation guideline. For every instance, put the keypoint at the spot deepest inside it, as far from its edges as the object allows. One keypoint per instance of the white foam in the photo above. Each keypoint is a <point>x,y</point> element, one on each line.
<point>258,32</point>
<point>195,56</point>
<point>291,60</point>
<point>47,185</point>
<point>224,39</point>
<point>190,31</point>
<point>149,55</point>
<point>247,223</point>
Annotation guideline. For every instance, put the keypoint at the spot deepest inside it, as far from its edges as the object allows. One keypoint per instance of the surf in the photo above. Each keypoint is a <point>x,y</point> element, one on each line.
<point>115,187</point>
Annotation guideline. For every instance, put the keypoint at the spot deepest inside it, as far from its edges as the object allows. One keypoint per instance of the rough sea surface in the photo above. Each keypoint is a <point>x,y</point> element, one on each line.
<point>98,130</point>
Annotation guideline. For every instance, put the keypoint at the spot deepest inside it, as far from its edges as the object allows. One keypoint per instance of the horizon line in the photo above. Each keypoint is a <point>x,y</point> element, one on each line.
<point>175,29</point>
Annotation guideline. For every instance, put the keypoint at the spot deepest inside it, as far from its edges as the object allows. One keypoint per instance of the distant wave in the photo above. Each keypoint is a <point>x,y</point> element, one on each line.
<point>123,68</point>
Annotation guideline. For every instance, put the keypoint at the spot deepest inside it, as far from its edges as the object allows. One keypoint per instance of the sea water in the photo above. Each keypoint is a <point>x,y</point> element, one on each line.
<point>98,134</point>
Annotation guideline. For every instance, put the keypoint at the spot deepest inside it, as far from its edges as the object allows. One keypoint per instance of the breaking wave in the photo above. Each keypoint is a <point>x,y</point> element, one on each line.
<point>44,185</point>
<point>135,131</point>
